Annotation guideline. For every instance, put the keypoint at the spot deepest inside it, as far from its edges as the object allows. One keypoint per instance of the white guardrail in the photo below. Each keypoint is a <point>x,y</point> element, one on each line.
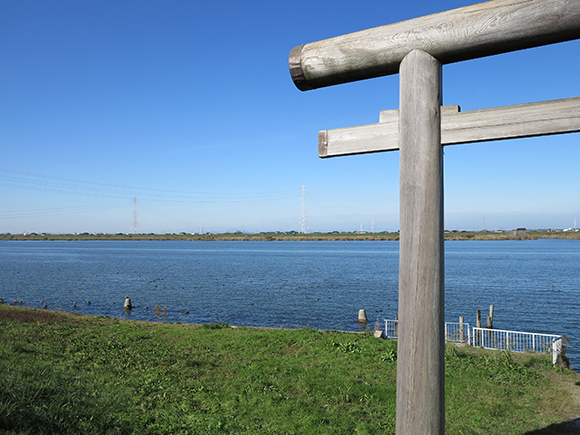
<point>496,339</point>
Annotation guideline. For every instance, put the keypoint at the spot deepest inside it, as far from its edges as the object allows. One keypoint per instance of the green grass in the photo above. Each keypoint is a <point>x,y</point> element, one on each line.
<point>64,373</point>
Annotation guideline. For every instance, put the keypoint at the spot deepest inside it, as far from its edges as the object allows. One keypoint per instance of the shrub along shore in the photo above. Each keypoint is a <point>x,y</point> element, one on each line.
<point>239,236</point>
<point>67,373</point>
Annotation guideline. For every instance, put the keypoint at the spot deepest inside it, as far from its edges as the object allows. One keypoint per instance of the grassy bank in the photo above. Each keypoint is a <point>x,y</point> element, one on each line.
<point>457,235</point>
<point>64,373</point>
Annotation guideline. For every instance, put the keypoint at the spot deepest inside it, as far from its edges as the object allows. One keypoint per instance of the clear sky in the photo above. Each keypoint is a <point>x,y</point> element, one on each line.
<point>189,107</point>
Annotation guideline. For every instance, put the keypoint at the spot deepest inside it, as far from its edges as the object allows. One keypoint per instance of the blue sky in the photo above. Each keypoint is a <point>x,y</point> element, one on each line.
<point>190,108</point>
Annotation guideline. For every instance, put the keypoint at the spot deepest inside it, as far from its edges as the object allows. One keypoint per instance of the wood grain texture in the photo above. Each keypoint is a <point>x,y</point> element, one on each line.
<point>421,346</point>
<point>510,122</point>
<point>499,123</point>
<point>470,32</point>
<point>362,139</point>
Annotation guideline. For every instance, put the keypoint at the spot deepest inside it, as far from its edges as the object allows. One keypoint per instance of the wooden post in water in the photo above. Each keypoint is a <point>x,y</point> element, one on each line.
<point>421,379</point>
<point>478,325</point>
<point>490,325</point>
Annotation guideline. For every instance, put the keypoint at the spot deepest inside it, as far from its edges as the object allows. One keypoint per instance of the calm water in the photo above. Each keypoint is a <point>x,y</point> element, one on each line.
<point>534,285</point>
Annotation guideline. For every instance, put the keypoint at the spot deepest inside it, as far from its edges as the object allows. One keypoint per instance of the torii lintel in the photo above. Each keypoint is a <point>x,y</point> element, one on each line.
<point>470,32</point>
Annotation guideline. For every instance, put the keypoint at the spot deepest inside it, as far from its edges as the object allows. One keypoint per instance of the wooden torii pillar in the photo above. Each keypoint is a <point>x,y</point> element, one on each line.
<point>416,49</point>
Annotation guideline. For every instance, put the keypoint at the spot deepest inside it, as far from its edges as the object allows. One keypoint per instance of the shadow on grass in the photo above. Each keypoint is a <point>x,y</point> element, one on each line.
<point>566,428</point>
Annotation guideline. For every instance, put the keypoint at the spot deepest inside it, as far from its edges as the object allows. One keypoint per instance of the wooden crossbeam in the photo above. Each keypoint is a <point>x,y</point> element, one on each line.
<point>507,122</point>
<point>470,32</point>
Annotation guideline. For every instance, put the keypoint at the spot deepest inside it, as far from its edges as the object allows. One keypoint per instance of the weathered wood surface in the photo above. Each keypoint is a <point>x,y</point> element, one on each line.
<point>420,354</point>
<point>508,122</point>
<point>470,32</point>
<point>361,139</point>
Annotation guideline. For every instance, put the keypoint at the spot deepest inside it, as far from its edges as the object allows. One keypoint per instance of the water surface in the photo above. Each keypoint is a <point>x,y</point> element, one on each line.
<point>534,284</point>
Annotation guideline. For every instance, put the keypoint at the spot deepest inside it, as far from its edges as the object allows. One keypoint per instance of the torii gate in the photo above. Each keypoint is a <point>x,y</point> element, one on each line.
<point>416,49</point>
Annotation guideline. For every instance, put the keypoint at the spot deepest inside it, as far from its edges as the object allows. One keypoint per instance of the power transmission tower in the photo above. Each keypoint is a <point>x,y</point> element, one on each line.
<point>134,224</point>
<point>303,227</point>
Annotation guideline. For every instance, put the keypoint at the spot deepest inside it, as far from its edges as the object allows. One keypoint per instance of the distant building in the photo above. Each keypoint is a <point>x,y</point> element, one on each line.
<point>518,232</point>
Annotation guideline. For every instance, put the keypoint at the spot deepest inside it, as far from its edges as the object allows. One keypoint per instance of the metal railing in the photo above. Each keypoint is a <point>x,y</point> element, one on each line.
<point>455,332</point>
<point>515,341</point>
<point>496,339</point>
<point>391,329</point>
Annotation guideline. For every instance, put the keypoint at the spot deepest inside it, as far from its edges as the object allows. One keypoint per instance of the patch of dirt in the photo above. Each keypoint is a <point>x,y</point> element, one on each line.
<point>30,315</point>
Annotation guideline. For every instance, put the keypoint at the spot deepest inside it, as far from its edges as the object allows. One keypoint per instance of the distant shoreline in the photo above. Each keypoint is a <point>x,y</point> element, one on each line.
<point>530,235</point>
